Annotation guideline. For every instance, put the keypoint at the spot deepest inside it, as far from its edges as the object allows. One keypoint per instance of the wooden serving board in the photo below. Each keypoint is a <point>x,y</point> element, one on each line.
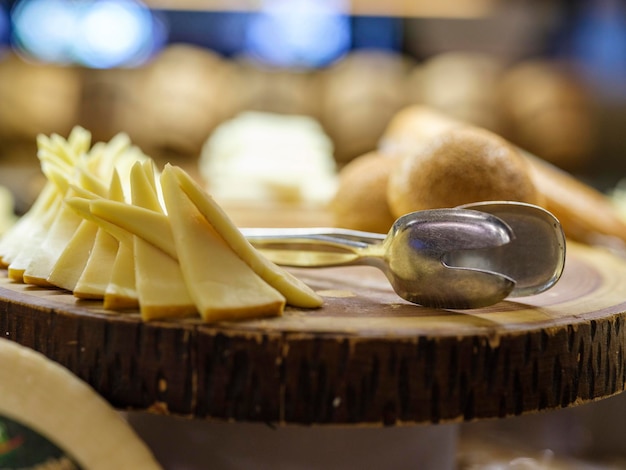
<point>366,357</point>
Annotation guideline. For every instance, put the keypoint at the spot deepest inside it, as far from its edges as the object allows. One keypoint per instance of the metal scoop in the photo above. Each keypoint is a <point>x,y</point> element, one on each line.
<point>467,257</point>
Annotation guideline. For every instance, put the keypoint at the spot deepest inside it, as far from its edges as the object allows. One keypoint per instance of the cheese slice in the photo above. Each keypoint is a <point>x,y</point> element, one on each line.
<point>104,275</point>
<point>95,276</point>
<point>152,226</point>
<point>46,254</point>
<point>46,408</point>
<point>71,268</point>
<point>161,289</point>
<point>221,284</point>
<point>12,241</point>
<point>296,292</point>
<point>72,261</point>
<point>121,292</point>
<point>34,238</point>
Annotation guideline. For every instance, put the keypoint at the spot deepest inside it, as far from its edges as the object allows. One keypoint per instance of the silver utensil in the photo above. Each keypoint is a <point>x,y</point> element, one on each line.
<point>466,257</point>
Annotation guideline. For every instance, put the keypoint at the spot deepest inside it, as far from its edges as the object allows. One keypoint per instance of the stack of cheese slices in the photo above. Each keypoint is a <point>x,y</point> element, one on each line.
<point>107,225</point>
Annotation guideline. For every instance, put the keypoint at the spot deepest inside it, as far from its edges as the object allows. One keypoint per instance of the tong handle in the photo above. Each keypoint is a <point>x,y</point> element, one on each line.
<point>314,247</point>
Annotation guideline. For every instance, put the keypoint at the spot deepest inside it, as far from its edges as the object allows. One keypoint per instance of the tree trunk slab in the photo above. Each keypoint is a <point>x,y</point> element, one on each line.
<point>366,358</point>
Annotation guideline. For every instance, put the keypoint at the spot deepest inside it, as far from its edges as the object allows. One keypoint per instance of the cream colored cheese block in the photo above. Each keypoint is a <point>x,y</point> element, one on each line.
<point>296,291</point>
<point>40,398</point>
<point>221,284</point>
<point>259,156</point>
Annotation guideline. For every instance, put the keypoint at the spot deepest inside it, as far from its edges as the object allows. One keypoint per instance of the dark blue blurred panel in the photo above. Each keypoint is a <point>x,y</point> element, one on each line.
<point>223,32</point>
<point>376,32</point>
<point>226,32</point>
<point>5,24</point>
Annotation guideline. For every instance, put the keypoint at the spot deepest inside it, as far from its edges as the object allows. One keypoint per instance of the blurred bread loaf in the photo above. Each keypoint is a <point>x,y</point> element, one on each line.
<point>460,84</point>
<point>360,202</point>
<point>460,166</point>
<point>182,95</point>
<point>548,112</point>
<point>587,215</point>
<point>360,94</point>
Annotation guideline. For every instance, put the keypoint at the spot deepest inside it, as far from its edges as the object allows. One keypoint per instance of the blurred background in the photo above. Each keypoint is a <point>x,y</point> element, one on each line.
<point>548,75</point>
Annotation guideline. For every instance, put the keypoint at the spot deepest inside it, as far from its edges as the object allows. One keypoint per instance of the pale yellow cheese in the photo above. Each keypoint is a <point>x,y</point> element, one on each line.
<point>46,254</point>
<point>161,289</point>
<point>18,236</point>
<point>95,276</point>
<point>74,266</point>
<point>72,261</point>
<point>121,292</point>
<point>221,284</point>
<point>150,225</point>
<point>296,291</point>
<point>34,238</point>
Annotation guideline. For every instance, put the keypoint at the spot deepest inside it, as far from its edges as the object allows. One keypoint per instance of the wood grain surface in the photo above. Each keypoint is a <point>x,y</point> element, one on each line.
<point>366,358</point>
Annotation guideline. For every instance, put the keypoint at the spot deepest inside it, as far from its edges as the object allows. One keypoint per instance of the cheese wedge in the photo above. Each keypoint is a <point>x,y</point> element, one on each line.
<point>43,400</point>
<point>74,258</point>
<point>110,271</point>
<point>156,229</point>
<point>221,284</point>
<point>46,254</point>
<point>37,235</point>
<point>72,261</point>
<point>95,276</point>
<point>81,206</point>
<point>12,241</point>
<point>296,292</point>
<point>121,292</point>
<point>161,289</point>
<point>152,226</point>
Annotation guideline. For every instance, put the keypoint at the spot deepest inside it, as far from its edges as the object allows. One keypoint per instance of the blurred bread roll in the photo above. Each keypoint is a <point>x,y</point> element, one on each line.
<point>274,90</point>
<point>587,215</point>
<point>460,84</point>
<point>413,126</point>
<point>181,97</point>
<point>37,98</point>
<point>360,202</point>
<point>460,166</point>
<point>548,112</point>
<point>360,93</point>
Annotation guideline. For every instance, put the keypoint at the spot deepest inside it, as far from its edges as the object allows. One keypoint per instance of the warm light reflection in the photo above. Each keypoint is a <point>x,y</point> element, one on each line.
<point>97,34</point>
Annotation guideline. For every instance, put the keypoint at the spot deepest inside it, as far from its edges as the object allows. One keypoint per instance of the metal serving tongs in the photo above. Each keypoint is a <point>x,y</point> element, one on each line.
<point>466,257</point>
